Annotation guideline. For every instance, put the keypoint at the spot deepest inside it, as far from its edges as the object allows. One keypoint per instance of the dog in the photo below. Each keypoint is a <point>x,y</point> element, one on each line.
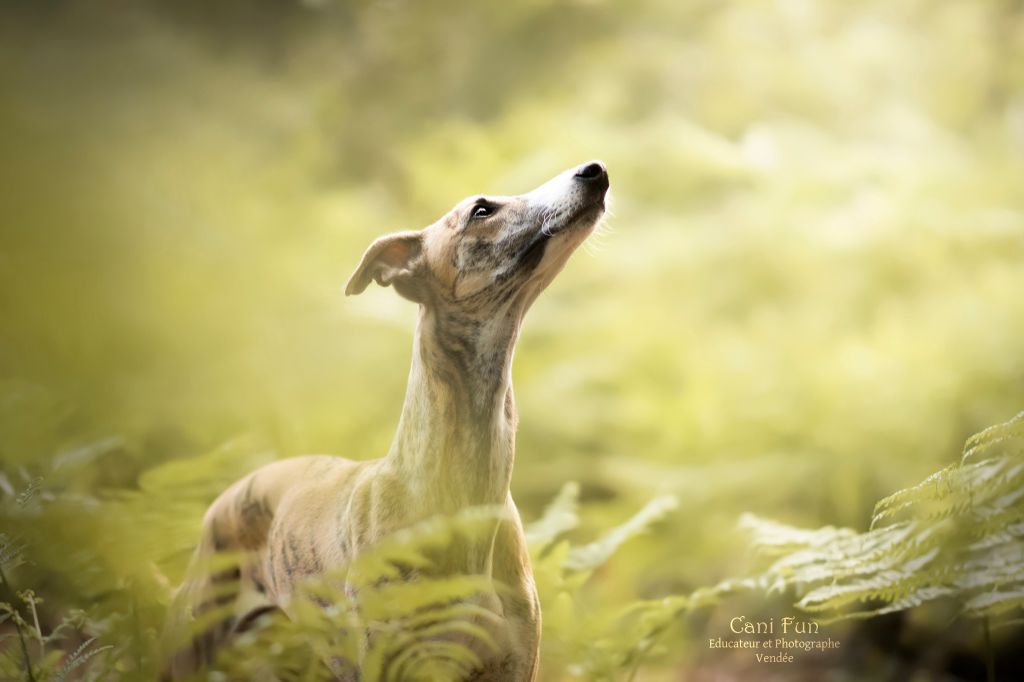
<point>474,274</point>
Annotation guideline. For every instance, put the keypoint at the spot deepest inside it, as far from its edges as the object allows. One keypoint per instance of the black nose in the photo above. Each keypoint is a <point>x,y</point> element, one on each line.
<point>594,170</point>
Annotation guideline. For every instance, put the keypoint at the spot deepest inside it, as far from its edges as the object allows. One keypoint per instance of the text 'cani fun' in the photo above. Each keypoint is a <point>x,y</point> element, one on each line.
<point>741,626</point>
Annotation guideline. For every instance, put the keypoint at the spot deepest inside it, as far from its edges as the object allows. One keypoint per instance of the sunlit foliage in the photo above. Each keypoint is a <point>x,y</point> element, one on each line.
<point>958,535</point>
<point>807,296</point>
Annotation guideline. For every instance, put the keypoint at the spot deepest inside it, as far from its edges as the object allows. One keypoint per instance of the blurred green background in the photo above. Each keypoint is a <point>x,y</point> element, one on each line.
<point>808,293</point>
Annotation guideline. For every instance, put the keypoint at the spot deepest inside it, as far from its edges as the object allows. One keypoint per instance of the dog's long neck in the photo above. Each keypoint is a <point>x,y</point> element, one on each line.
<point>455,443</point>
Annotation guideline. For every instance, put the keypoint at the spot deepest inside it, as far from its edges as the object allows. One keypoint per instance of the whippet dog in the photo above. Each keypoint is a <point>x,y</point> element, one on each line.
<point>474,273</point>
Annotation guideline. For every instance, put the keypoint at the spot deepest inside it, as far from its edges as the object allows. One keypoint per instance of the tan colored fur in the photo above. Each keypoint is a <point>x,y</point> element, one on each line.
<point>474,273</point>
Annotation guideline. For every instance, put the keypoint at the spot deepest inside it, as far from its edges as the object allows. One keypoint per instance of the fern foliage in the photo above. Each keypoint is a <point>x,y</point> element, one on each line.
<point>389,613</point>
<point>398,613</point>
<point>958,534</point>
<point>591,643</point>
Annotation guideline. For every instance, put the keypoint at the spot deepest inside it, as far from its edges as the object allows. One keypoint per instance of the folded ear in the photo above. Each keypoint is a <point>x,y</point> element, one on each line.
<point>392,259</point>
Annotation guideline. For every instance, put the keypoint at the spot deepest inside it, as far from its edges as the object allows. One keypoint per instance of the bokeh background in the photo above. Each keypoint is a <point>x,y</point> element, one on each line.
<point>807,296</point>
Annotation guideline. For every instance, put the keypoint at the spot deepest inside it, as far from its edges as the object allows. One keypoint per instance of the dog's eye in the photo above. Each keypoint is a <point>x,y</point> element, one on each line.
<point>481,211</point>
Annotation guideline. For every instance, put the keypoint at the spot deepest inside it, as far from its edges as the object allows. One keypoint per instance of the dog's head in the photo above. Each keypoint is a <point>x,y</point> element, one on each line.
<point>489,254</point>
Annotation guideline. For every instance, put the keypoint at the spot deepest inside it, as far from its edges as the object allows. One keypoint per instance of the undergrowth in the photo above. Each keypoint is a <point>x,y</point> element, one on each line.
<point>957,536</point>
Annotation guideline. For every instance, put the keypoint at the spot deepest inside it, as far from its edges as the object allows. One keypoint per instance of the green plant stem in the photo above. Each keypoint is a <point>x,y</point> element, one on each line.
<point>21,635</point>
<point>642,651</point>
<point>137,644</point>
<point>39,630</point>
<point>990,662</point>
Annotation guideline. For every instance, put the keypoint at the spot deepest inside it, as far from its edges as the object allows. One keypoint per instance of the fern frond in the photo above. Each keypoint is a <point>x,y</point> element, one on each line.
<point>996,602</point>
<point>961,537</point>
<point>589,557</point>
<point>994,435</point>
<point>559,517</point>
<point>79,657</point>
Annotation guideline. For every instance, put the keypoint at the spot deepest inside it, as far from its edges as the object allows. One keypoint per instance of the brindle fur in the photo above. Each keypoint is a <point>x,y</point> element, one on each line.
<point>474,277</point>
